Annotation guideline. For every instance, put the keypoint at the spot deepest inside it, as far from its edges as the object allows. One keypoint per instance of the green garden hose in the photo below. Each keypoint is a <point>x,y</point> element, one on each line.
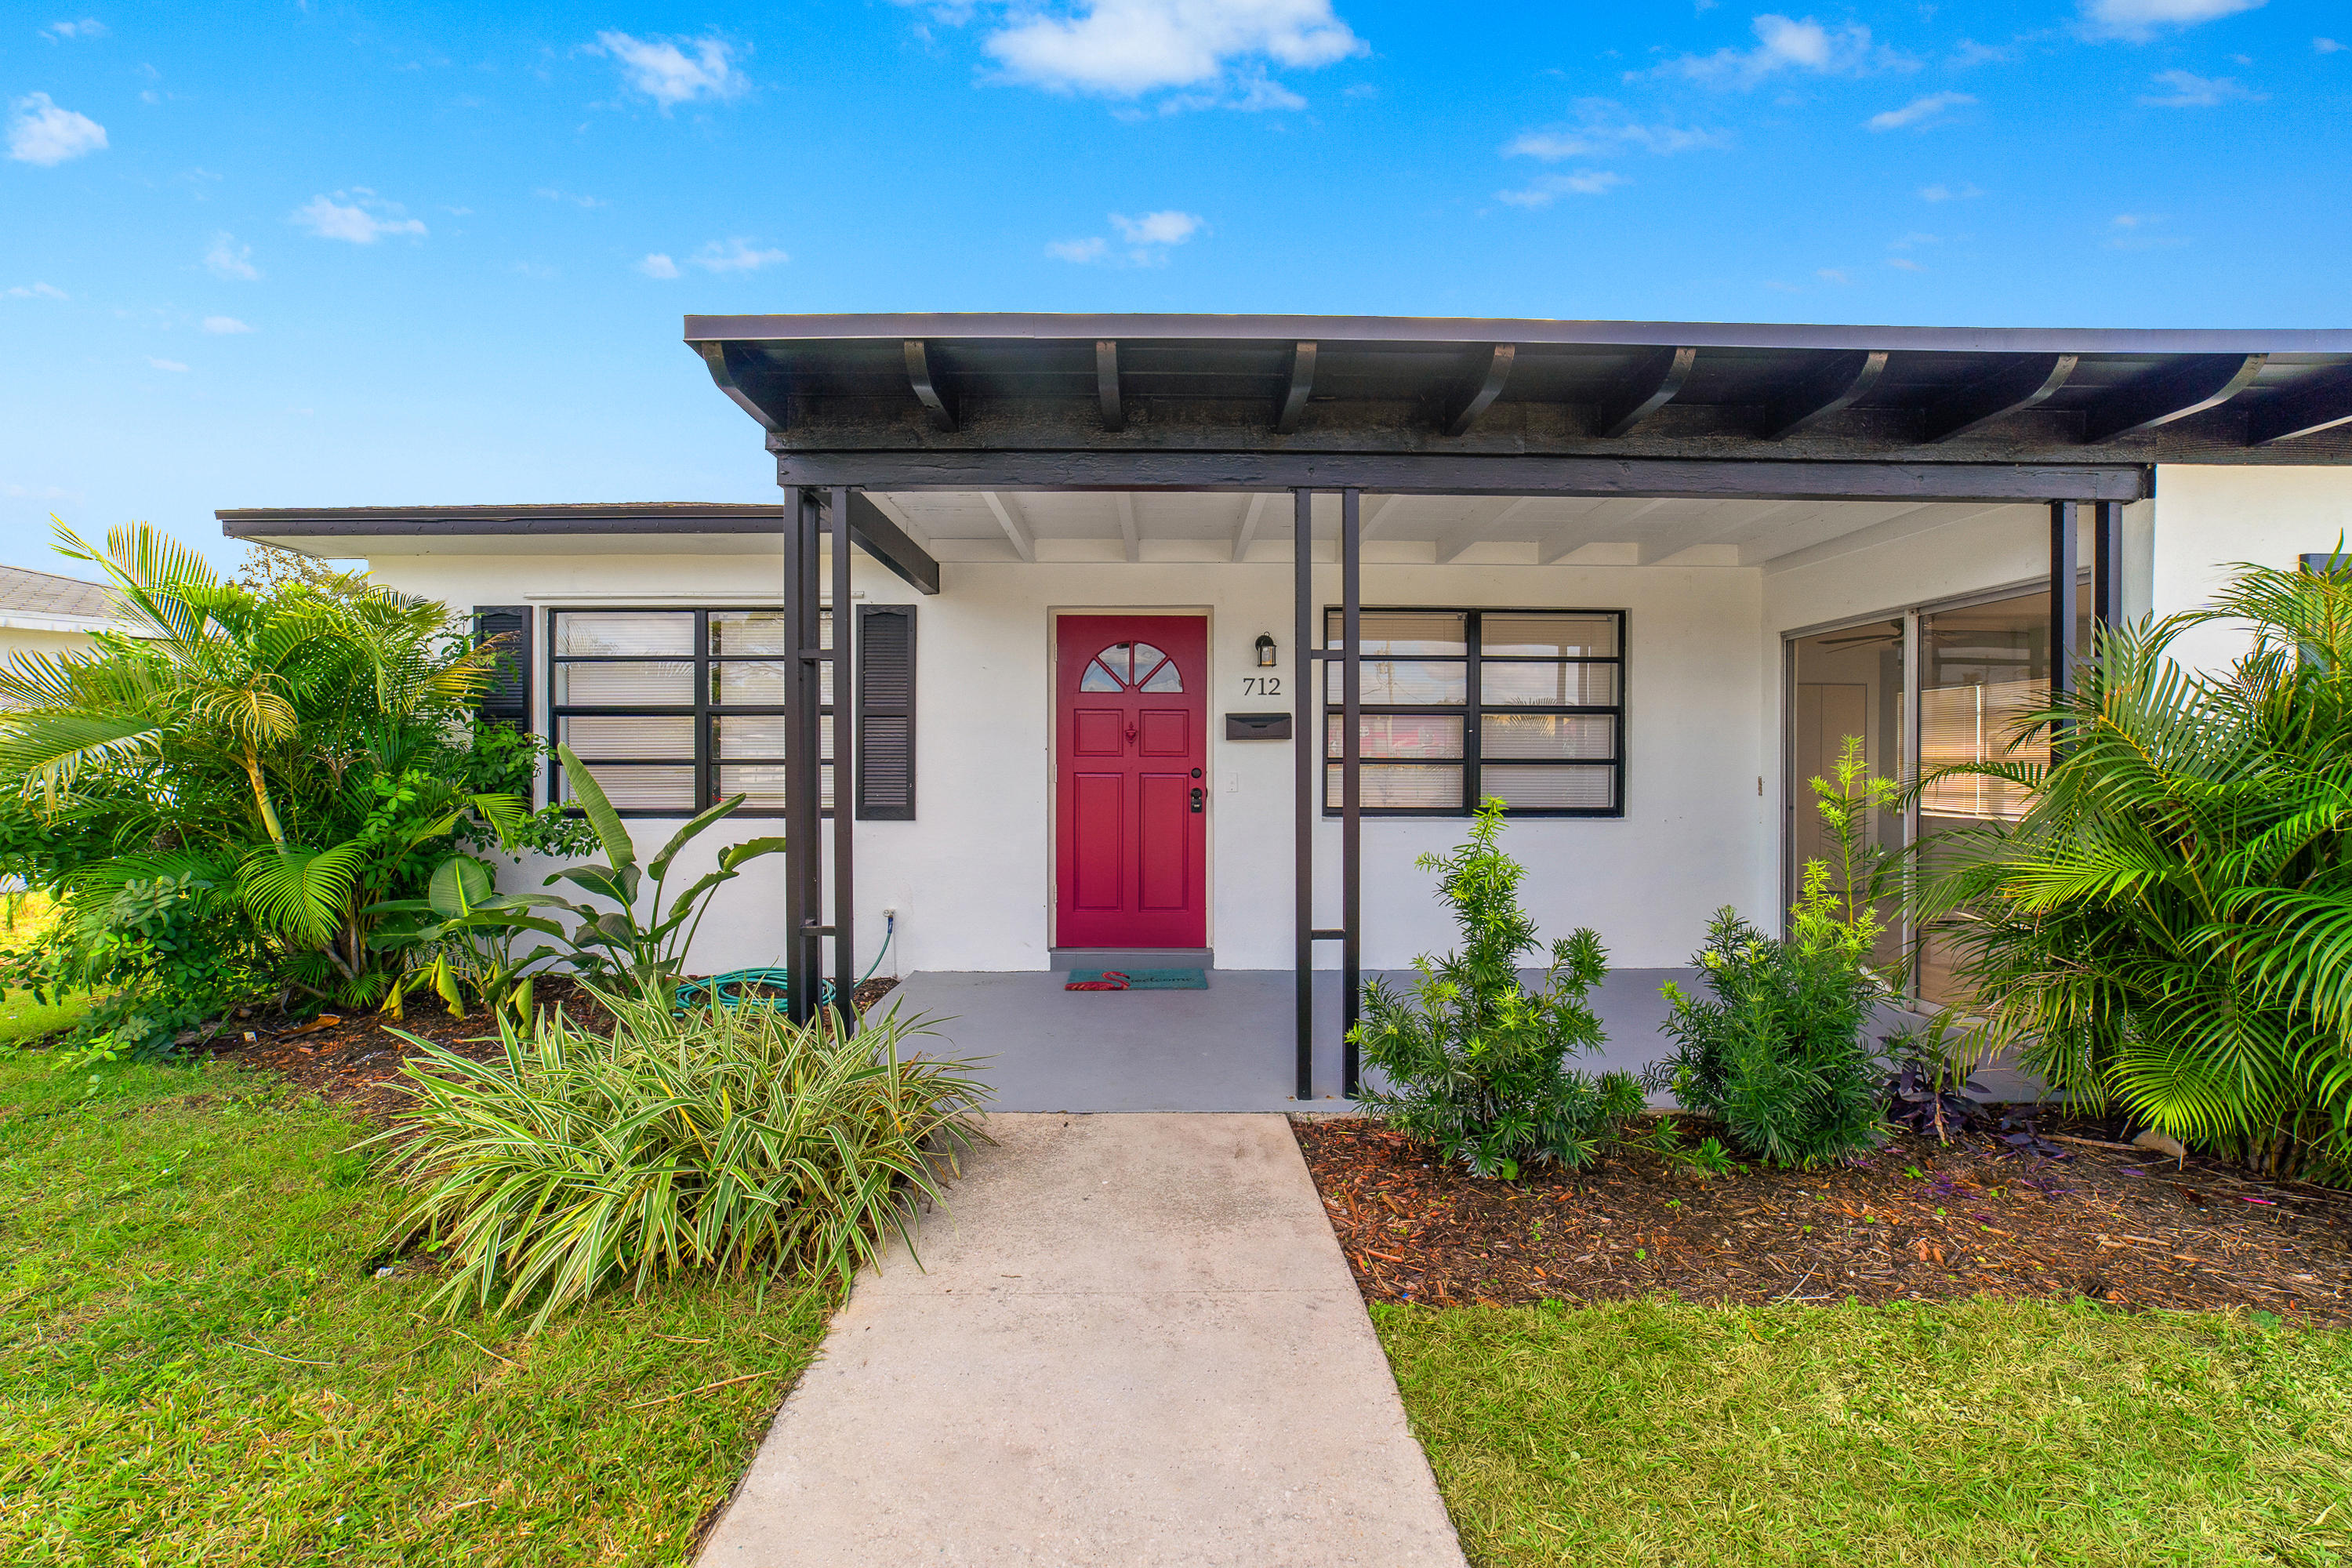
<point>731,989</point>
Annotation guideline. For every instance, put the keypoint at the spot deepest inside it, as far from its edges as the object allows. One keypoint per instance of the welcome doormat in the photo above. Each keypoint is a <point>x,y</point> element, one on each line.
<point>1137,980</point>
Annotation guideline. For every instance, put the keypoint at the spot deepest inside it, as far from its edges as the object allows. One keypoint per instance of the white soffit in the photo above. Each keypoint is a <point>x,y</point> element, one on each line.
<point>1536,530</point>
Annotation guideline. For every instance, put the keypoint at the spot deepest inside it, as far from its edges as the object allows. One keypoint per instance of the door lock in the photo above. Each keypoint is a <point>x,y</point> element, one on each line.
<point>1196,798</point>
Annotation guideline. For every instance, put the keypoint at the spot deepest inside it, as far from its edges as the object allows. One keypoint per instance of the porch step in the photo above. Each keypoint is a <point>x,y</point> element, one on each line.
<point>1132,958</point>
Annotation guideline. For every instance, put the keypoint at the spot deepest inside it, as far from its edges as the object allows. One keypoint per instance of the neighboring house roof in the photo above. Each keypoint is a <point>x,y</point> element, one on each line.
<point>45,601</point>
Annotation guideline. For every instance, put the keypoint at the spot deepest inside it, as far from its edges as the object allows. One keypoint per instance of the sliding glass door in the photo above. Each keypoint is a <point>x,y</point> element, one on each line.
<point>1970,670</point>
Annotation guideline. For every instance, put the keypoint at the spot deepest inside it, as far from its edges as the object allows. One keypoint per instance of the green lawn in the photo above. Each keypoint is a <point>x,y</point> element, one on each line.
<point>1984,1432</point>
<point>198,1365</point>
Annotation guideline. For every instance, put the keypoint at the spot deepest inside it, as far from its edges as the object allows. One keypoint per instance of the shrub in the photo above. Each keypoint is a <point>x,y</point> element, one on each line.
<point>1779,1053</point>
<point>730,1140</point>
<point>305,747</point>
<point>2168,927</point>
<point>1478,1059</point>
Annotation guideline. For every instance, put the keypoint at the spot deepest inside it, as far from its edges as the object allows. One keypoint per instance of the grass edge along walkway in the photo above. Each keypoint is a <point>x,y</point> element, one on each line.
<point>1979,1433</point>
<point>198,1364</point>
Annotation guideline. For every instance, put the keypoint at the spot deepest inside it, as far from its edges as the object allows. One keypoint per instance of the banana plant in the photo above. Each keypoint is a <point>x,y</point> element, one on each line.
<point>464,943</point>
<point>643,955</point>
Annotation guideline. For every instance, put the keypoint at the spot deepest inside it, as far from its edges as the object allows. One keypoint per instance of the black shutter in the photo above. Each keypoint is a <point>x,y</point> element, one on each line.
<point>885,712</point>
<point>507,697</point>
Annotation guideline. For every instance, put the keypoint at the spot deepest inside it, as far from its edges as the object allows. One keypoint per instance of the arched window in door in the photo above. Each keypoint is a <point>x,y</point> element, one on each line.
<point>1131,666</point>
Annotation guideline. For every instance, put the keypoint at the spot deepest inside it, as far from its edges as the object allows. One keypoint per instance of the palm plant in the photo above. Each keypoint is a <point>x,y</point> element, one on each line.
<point>297,745</point>
<point>2168,927</point>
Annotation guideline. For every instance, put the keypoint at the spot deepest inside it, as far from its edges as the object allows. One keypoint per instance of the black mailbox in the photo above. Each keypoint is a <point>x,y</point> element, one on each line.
<point>1257,726</point>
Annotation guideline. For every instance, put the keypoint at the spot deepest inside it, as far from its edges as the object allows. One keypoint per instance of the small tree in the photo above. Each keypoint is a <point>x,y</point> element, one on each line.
<point>1478,1059</point>
<point>1779,1051</point>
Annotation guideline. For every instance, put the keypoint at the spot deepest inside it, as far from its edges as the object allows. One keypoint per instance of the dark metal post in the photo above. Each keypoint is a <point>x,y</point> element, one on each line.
<point>1351,747</point>
<point>2108,564</point>
<point>844,703</point>
<point>801,847</point>
<point>2064,562</point>
<point>1306,755</point>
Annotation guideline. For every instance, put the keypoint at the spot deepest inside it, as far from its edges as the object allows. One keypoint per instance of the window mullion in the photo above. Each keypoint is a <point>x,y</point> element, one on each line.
<point>703,778</point>
<point>1473,717</point>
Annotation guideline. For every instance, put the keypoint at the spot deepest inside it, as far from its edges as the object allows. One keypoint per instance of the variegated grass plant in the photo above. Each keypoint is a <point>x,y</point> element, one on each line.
<point>730,1140</point>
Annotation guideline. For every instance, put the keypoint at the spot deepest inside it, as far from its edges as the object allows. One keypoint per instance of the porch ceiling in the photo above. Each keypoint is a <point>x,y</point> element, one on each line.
<point>1079,526</point>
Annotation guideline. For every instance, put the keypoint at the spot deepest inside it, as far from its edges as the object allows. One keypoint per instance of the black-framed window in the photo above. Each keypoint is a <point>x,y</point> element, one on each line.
<point>674,709</point>
<point>1458,705</point>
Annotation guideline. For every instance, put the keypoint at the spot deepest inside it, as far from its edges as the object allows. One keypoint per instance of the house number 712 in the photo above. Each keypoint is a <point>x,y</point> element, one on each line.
<point>1261,685</point>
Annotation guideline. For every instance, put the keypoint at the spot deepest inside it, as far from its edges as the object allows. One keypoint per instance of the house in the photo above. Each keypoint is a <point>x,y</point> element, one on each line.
<point>1637,579</point>
<point>41,612</point>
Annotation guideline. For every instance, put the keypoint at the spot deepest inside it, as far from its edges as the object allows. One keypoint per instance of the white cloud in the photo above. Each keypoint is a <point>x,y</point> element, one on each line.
<point>2139,18</point>
<point>734,256</point>
<point>170,364</point>
<point>88,27</point>
<point>1834,275</point>
<point>2190,90</point>
<point>41,132</point>
<point>1904,264</point>
<point>1948,193</point>
<point>1147,239</point>
<point>36,291</point>
<point>1123,48</point>
<point>1546,189</point>
<point>227,258</point>
<point>663,70</point>
<point>1920,112</point>
<point>549,193</point>
<point>2328,46</point>
<point>2138,231</point>
<point>224,326</point>
<point>1785,44</point>
<point>658,266</point>
<point>1156,228</point>
<point>357,216</point>
<point>1605,129</point>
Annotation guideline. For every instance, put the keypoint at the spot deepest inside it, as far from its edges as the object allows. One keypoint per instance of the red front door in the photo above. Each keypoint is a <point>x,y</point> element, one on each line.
<point>1130,749</point>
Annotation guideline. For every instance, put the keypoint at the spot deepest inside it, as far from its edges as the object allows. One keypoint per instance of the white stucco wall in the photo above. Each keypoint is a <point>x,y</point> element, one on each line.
<point>972,878</point>
<point>2210,518</point>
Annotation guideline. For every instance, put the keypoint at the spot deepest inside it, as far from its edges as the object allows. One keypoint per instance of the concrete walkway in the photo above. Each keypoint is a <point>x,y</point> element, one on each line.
<point>1134,1342</point>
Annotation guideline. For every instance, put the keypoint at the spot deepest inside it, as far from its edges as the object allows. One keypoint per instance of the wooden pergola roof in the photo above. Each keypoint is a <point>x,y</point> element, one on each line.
<point>975,401</point>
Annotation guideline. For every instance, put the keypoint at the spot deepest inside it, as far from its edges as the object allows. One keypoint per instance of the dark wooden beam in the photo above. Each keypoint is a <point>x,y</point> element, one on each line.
<point>1114,413</point>
<point>1479,393</point>
<point>1711,478</point>
<point>2321,403</point>
<point>743,386</point>
<point>1302,382</point>
<point>2064,566</point>
<point>1649,386</point>
<point>2108,564</point>
<point>2173,392</point>
<point>2012,389</point>
<point>871,530</point>
<point>926,389</point>
<point>1836,385</point>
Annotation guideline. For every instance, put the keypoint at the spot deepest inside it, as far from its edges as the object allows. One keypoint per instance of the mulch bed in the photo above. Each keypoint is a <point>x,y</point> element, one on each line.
<point>355,1059</point>
<point>1916,1221</point>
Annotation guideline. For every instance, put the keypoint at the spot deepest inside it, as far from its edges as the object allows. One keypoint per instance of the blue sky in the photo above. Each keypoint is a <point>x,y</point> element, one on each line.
<point>332,254</point>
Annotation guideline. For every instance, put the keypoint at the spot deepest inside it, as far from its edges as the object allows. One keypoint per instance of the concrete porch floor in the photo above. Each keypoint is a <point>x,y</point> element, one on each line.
<point>1228,1048</point>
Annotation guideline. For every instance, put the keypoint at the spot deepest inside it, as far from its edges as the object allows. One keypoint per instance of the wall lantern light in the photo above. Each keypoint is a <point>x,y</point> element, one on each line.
<point>1265,651</point>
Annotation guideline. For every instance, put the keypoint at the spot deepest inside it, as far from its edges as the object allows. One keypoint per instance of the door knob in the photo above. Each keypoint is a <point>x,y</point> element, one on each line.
<point>1196,798</point>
